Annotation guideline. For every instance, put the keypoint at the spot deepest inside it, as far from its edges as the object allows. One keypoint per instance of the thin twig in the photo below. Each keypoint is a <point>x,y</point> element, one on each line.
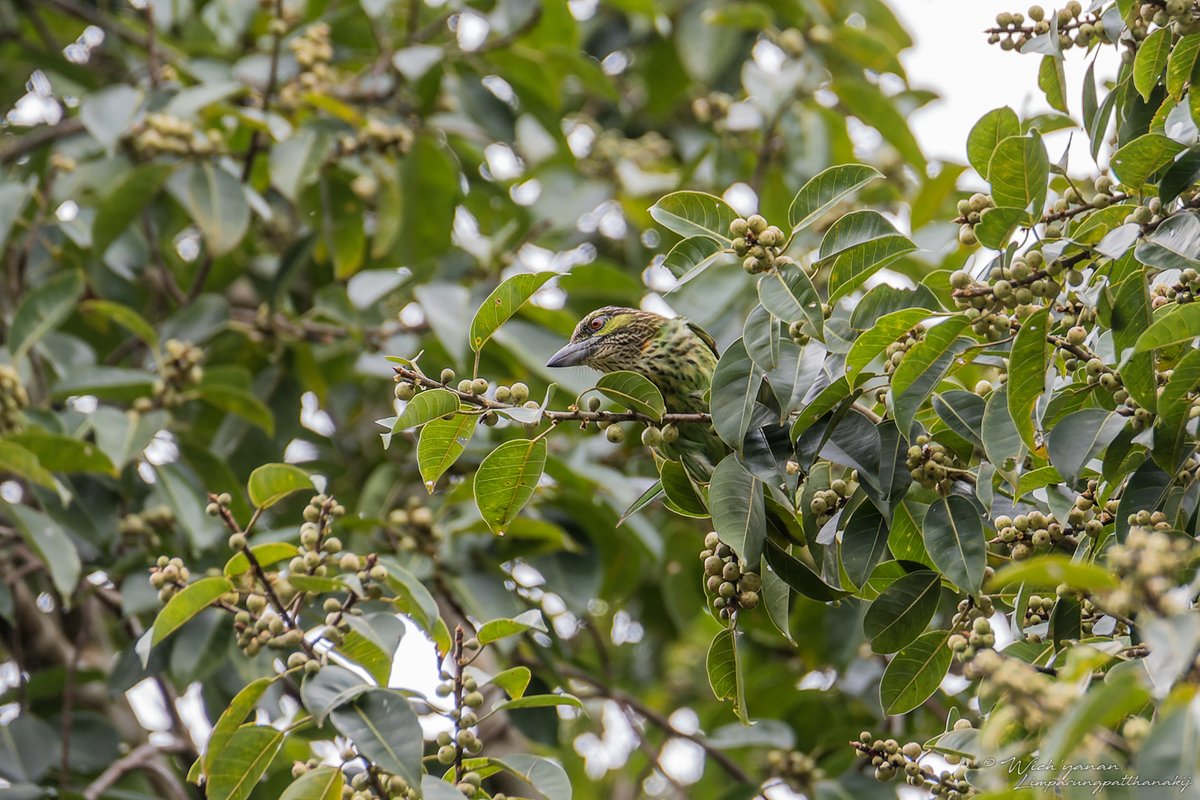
<point>268,91</point>
<point>143,757</point>
<point>555,417</point>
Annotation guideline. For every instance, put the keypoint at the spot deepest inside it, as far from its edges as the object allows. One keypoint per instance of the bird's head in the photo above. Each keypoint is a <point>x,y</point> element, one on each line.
<point>609,339</point>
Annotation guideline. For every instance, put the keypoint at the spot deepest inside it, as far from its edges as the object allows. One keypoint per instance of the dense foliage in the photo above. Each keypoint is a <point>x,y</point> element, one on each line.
<point>950,540</point>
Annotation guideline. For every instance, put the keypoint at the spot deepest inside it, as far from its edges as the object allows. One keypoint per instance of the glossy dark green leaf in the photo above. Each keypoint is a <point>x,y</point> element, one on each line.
<point>53,546</point>
<point>858,245</point>
<point>734,390</point>
<point>872,342</point>
<point>322,783</point>
<point>924,366</point>
<point>692,256</point>
<point>1081,436</point>
<point>735,501</point>
<point>962,411</point>
<point>864,542</point>
<point>1175,244</point>
<point>1182,174</point>
<point>385,729</point>
<point>799,575</point>
<point>186,604</point>
<point>954,539</point>
<point>761,335</point>
<point>217,203</point>
<point>791,297</point>
<point>425,407</point>
<point>915,673</point>
<point>902,610</point>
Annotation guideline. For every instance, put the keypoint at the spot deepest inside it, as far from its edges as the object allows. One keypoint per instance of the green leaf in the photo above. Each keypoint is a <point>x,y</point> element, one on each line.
<point>498,629</point>
<point>962,412</point>
<point>695,214</point>
<point>865,101</point>
<point>724,671</point>
<point>828,399</point>
<point>864,542</point>
<point>1180,63</point>
<point>502,303</point>
<point>232,718</point>
<point>799,576</point>
<point>58,452</point>
<point>124,316</point>
<point>1174,244</point>
<point>539,701</point>
<point>1001,440</point>
<point>322,783</point>
<point>923,367</point>
<point>693,255</point>
<point>124,203</point>
<point>425,407</point>
<point>1027,374</point>
<point>270,483</point>
<point>1079,437</point>
<point>186,604</point>
<point>1052,81</point>
<point>1178,326</point>
<point>902,610</point>
<point>108,114</point>
<point>680,493</point>
<point>296,162</point>
<point>13,197</point>
<point>371,642</point>
<point>217,203</point>
<point>1135,162</point>
<point>514,681</point>
<point>761,335</point>
<point>549,779</point>
<point>265,554</point>
<point>996,225</point>
<point>634,392</point>
<point>1050,570</point>
<point>735,386</point>
<point>1151,59</point>
<point>735,501</point>
<point>442,442</point>
<point>1174,404</point>
<point>17,460</point>
<point>954,539</point>
<point>52,545</point>
<point>330,688</point>
<point>991,129</point>
<point>506,480</point>
<point>430,181</point>
<point>915,673</point>
<point>42,310</point>
<point>825,190</point>
<point>858,244</point>
<point>243,761</point>
<point>1019,172</point>
<point>122,436</point>
<point>1183,173</point>
<point>384,728</point>
<point>873,341</point>
<point>239,402</point>
<point>789,295</point>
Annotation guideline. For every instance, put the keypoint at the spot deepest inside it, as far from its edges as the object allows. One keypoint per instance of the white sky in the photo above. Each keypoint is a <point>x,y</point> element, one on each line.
<point>953,58</point>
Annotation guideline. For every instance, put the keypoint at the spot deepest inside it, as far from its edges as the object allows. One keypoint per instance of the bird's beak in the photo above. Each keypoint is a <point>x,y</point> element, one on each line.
<point>571,355</point>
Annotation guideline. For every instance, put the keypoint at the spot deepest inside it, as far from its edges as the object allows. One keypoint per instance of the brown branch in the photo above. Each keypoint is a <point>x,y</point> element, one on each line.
<point>200,279</point>
<point>555,417</point>
<point>658,719</point>
<point>39,137</point>
<point>143,757</point>
<point>272,79</point>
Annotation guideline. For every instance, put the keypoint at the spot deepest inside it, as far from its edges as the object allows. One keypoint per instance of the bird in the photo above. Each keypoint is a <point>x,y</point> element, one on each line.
<point>673,353</point>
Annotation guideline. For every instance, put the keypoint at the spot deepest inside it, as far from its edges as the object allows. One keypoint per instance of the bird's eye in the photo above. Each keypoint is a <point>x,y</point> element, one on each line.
<point>596,324</point>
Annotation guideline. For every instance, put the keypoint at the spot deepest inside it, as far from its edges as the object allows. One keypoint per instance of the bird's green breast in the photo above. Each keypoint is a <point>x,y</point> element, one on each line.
<point>681,364</point>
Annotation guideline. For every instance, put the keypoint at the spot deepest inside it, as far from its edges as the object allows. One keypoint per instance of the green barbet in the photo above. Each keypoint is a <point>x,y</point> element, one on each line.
<point>676,355</point>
